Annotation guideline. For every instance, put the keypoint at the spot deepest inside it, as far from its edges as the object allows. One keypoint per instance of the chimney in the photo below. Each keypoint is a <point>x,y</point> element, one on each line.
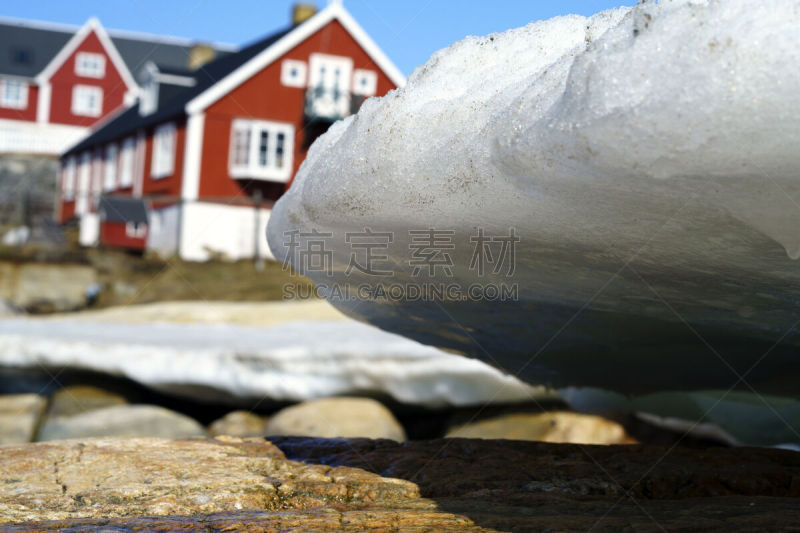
<point>301,12</point>
<point>199,55</point>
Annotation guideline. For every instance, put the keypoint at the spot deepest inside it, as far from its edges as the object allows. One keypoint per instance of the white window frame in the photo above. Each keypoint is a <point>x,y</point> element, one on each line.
<point>110,167</point>
<point>21,102</point>
<point>68,179</point>
<point>135,230</point>
<point>319,65</point>
<point>294,73</point>
<point>126,162</point>
<point>90,65</point>
<point>163,158</point>
<point>79,107</point>
<point>365,82</point>
<point>84,185</point>
<point>253,167</point>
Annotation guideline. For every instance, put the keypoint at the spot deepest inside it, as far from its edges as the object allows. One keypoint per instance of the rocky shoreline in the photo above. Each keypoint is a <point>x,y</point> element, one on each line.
<point>85,411</point>
<point>293,483</point>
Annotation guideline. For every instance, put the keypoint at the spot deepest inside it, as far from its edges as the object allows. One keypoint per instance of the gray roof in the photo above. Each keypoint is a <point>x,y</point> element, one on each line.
<point>169,56</point>
<point>27,47</point>
<point>25,50</point>
<point>130,120</point>
<point>122,209</point>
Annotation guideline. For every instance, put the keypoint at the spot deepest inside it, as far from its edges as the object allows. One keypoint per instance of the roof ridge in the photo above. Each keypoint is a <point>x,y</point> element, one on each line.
<point>116,33</point>
<point>40,24</point>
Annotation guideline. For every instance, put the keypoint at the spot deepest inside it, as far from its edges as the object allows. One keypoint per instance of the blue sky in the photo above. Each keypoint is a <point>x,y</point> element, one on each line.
<point>409,31</point>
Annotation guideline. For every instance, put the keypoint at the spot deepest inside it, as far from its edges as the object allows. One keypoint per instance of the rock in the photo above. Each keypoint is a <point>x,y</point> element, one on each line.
<point>446,485</point>
<point>239,424</point>
<point>7,310</point>
<point>337,417</point>
<point>28,179</point>
<point>137,477</point>
<point>20,415</point>
<point>16,236</point>
<point>77,399</point>
<point>552,426</point>
<point>46,288</point>
<point>122,421</point>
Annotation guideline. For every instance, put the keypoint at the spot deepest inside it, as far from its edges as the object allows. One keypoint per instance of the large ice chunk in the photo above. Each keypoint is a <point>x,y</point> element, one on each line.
<point>646,159</point>
<point>245,365</point>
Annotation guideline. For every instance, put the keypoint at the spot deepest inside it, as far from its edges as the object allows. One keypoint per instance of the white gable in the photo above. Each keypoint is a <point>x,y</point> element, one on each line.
<point>335,11</point>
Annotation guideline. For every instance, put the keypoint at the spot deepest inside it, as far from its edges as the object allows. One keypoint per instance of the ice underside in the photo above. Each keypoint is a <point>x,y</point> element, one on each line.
<point>245,366</point>
<point>647,157</point>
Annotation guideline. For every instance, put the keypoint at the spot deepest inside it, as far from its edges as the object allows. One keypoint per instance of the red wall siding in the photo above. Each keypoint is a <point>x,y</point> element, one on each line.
<point>67,211</point>
<point>264,97</point>
<point>113,234</point>
<point>29,113</point>
<point>64,79</point>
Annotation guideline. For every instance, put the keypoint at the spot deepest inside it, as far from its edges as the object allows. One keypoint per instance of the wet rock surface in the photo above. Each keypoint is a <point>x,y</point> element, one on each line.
<point>292,483</point>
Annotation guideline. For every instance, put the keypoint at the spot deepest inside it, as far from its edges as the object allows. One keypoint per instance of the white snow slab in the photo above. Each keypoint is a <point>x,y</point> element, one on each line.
<point>647,158</point>
<point>291,361</point>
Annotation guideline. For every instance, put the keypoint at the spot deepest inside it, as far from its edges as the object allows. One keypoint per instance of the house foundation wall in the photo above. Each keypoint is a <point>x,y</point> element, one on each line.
<point>212,230</point>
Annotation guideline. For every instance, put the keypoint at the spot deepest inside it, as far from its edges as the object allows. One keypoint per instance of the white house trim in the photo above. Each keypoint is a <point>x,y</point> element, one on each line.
<point>370,46</point>
<point>174,79</point>
<point>43,102</point>
<point>140,157</point>
<point>193,155</point>
<point>28,137</point>
<point>75,41</point>
<point>335,11</point>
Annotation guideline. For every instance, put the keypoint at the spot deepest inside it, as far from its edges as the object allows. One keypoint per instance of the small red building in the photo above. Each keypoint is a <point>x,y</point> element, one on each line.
<point>58,81</point>
<point>207,152</point>
<point>123,222</point>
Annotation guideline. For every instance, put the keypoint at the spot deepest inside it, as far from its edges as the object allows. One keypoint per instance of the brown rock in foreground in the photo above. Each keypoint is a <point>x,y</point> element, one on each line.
<point>442,485</point>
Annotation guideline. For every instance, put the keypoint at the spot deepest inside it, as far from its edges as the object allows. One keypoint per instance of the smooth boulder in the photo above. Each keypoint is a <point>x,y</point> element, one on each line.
<point>77,399</point>
<point>122,421</point>
<point>553,426</point>
<point>238,424</point>
<point>337,417</point>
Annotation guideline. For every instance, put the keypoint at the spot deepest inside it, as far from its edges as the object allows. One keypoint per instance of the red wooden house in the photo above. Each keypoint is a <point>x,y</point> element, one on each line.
<point>57,81</point>
<point>207,152</point>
